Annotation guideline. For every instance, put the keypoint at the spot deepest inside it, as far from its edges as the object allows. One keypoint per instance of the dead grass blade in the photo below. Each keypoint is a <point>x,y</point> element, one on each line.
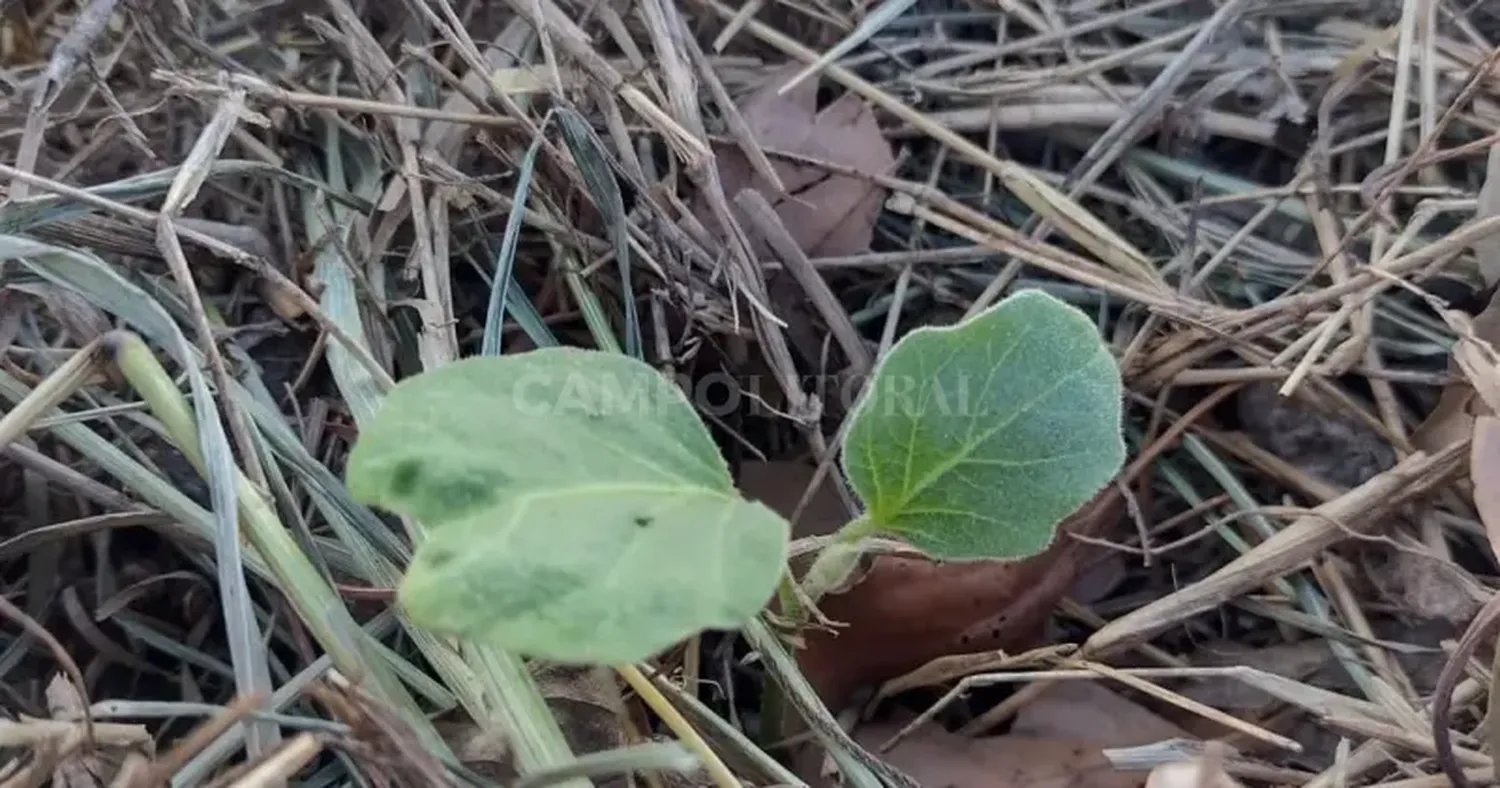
<point>1288,549</point>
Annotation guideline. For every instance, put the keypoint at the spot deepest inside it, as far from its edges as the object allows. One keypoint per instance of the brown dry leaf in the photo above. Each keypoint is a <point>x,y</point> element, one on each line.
<point>1328,445</point>
<point>1453,418</point>
<point>486,755</point>
<point>827,214</point>
<point>1434,589</point>
<point>1296,661</point>
<point>1484,471</point>
<point>1099,578</point>
<point>936,757</point>
<point>1449,422</point>
<point>588,706</point>
<point>908,611</point>
<point>779,484</point>
<point>587,703</point>
<point>1476,357</point>
<point>1091,711</point>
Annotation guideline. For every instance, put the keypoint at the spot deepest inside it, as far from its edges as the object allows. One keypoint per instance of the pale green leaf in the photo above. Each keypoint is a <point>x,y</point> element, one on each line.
<point>577,508</point>
<point>976,440</point>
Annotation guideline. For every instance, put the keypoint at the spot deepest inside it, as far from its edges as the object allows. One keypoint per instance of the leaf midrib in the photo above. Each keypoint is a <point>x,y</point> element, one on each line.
<point>962,456</point>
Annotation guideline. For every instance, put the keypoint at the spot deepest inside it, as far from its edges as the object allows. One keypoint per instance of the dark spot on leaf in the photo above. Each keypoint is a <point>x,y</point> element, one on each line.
<point>642,521</point>
<point>404,478</point>
<point>466,494</point>
<point>524,594</point>
<point>437,559</point>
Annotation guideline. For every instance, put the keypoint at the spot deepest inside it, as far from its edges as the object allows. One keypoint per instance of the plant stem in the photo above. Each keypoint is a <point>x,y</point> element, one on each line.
<point>838,559</point>
<point>679,725</point>
<point>856,529</point>
<point>832,566</point>
<point>786,594</point>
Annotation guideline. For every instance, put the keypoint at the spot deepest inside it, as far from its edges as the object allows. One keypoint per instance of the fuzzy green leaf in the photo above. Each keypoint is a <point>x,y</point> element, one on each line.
<point>974,441</point>
<point>577,508</point>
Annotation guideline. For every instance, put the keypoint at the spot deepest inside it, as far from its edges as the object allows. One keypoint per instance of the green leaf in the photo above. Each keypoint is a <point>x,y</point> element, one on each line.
<point>976,440</point>
<point>577,508</point>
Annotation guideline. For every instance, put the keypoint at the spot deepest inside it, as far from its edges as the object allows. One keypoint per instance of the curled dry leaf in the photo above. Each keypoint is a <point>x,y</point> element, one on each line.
<point>1431,588</point>
<point>1295,661</point>
<point>828,214</point>
<point>1453,418</point>
<point>1333,447</point>
<point>1449,421</point>
<point>1091,711</point>
<point>908,611</point>
<point>1058,740</point>
<point>588,706</point>
<point>485,754</point>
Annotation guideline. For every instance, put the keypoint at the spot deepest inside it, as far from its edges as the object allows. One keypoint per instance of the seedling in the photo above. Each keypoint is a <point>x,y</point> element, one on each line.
<point>578,510</point>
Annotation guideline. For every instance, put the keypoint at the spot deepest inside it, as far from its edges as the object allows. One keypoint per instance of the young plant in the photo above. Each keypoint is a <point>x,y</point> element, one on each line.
<point>578,510</point>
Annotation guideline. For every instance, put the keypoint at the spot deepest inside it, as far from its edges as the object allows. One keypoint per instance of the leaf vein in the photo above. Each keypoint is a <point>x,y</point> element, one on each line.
<point>958,458</point>
<point>911,435</point>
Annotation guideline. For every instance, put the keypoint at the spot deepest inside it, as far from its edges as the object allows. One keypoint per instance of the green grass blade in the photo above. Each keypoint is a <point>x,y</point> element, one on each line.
<point>517,303</point>
<point>315,601</point>
<point>588,301</point>
<point>211,444</point>
<point>340,302</point>
<point>852,759</point>
<point>325,613</point>
<point>590,155</point>
<point>721,729</point>
<point>494,315</point>
<point>41,210</point>
<point>529,319</point>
